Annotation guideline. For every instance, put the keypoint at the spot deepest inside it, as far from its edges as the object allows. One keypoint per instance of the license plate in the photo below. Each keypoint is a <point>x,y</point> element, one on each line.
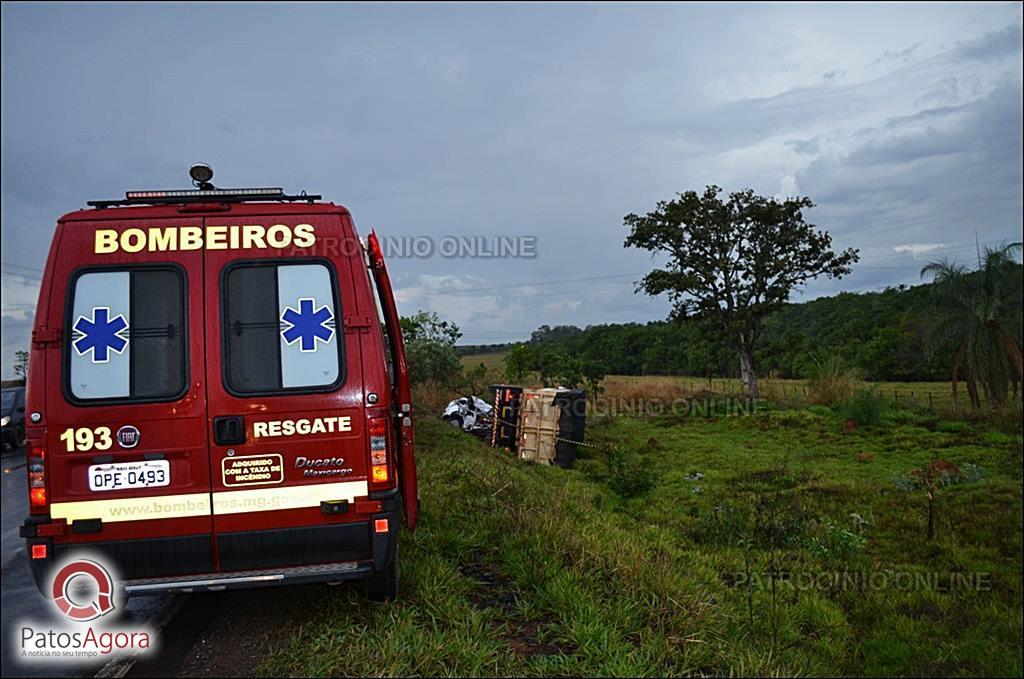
<point>120,475</point>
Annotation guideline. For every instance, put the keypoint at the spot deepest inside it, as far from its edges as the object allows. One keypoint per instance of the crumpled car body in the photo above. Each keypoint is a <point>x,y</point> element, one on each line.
<point>469,413</point>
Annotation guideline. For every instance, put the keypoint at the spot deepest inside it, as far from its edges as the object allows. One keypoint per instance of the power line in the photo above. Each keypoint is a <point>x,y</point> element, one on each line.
<point>539,283</point>
<point>20,266</point>
<point>26,284</point>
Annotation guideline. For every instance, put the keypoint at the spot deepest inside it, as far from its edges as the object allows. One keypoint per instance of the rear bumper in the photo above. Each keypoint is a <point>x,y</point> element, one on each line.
<point>271,577</point>
<point>319,553</point>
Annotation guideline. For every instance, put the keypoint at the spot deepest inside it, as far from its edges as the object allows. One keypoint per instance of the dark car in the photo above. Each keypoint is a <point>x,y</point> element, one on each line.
<point>12,417</point>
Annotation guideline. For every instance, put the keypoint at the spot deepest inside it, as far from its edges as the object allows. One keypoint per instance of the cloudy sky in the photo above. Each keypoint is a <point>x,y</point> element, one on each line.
<point>545,123</point>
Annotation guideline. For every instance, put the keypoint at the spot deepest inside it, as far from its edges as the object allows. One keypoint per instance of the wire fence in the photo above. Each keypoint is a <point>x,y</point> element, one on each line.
<point>932,395</point>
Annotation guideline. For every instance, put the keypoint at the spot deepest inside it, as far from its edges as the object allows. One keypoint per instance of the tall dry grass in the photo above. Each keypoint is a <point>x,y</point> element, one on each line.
<point>832,381</point>
<point>665,389</point>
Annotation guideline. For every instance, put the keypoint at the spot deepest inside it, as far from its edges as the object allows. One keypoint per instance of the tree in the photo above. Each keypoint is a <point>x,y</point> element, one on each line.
<point>546,333</point>
<point>933,477</point>
<point>476,379</point>
<point>430,349</point>
<point>983,318</point>
<point>518,363</point>
<point>554,366</point>
<point>734,261</point>
<point>21,364</point>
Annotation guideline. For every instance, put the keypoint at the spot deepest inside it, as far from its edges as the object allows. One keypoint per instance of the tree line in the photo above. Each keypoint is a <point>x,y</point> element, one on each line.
<point>885,336</point>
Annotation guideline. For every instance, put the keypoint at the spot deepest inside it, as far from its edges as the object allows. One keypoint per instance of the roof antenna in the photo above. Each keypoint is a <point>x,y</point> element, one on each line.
<point>201,174</point>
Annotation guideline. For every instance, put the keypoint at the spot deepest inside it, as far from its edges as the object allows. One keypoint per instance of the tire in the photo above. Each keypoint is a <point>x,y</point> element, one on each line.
<point>19,438</point>
<point>454,420</point>
<point>383,586</point>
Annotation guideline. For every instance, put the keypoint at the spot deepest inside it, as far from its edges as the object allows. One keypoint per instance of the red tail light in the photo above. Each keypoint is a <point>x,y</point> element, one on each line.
<point>38,551</point>
<point>380,452</point>
<point>37,498</point>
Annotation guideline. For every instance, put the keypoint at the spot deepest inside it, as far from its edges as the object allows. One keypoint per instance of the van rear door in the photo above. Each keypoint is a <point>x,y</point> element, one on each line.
<point>401,387</point>
<point>287,425</point>
<point>126,449</point>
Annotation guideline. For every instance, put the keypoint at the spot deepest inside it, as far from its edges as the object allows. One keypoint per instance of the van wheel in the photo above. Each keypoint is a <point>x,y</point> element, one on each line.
<point>455,421</point>
<point>383,586</point>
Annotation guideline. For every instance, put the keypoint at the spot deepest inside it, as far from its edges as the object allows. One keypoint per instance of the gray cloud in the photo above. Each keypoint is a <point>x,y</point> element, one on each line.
<point>805,146</point>
<point>994,45</point>
<point>897,55</point>
<point>550,121</point>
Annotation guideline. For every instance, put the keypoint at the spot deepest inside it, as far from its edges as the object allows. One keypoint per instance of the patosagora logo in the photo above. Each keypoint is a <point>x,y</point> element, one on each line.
<point>83,591</point>
<point>67,603</point>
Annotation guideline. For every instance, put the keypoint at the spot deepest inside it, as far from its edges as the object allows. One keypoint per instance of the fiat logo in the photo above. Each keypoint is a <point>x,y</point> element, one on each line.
<point>128,436</point>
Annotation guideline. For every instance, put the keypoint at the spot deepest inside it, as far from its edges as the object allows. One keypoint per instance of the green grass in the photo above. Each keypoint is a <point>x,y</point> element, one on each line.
<point>494,360</point>
<point>527,570</point>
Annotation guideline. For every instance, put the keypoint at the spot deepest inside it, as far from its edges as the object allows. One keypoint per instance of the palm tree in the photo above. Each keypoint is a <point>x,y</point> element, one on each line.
<point>980,313</point>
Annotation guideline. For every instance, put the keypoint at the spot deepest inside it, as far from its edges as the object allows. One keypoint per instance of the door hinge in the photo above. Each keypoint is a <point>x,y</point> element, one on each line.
<point>44,336</point>
<point>357,322</point>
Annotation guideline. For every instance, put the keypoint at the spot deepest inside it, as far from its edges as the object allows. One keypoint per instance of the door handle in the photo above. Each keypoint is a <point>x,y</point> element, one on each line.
<point>229,430</point>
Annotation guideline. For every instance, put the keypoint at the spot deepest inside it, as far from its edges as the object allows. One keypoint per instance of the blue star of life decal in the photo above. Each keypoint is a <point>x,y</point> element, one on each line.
<point>100,334</point>
<point>307,324</point>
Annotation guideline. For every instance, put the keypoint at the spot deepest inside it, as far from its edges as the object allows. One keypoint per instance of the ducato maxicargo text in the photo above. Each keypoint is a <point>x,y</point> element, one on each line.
<point>218,396</point>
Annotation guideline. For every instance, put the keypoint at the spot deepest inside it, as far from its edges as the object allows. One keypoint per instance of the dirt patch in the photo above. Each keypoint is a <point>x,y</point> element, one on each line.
<point>228,634</point>
<point>780,479</point>
<point>836,491</point>
<point>495,590</point>
<point>924,609</point>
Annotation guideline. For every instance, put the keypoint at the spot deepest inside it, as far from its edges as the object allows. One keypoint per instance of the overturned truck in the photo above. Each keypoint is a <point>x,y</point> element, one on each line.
<point>539,425</point>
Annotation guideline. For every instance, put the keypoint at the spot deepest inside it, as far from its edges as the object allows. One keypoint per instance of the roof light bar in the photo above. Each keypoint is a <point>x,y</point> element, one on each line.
<point>211,195</point>
<point>205,193</point>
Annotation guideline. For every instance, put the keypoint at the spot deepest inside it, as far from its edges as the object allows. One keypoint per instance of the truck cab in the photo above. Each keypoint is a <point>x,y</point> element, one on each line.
<point>217,395</point>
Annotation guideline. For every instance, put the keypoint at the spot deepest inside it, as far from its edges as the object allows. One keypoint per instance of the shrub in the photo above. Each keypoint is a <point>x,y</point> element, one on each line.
<point>831,381</point>
<point>724,525</point>
<point>626,473</point>
<point>430,349</point>
<point>832,540</point>
<point>932,478</point>
<point>866,408</point>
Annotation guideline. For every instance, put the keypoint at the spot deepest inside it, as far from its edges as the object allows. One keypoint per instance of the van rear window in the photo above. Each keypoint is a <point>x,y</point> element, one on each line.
<point>127,338</point>
<point>280,327</point>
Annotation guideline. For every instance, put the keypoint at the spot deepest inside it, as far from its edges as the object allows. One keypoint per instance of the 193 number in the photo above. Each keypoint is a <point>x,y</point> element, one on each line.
<point>87,439</point>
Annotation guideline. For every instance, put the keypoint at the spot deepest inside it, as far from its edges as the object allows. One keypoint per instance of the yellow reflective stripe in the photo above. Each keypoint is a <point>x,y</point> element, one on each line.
<point>198,504</point>
<point>134,508</point>
<point>286,497</point>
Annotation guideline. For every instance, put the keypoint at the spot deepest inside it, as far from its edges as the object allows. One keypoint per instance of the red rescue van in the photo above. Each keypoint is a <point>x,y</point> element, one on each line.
<point>218,395</point>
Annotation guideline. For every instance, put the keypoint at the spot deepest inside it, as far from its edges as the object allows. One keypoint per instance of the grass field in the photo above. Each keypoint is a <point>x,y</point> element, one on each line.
<point>494,361</point>
<point>934,395</point>
<point>774,543</point>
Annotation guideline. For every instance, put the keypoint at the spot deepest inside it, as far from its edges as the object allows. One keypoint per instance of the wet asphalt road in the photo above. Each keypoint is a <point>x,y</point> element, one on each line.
<point>21,601</point>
